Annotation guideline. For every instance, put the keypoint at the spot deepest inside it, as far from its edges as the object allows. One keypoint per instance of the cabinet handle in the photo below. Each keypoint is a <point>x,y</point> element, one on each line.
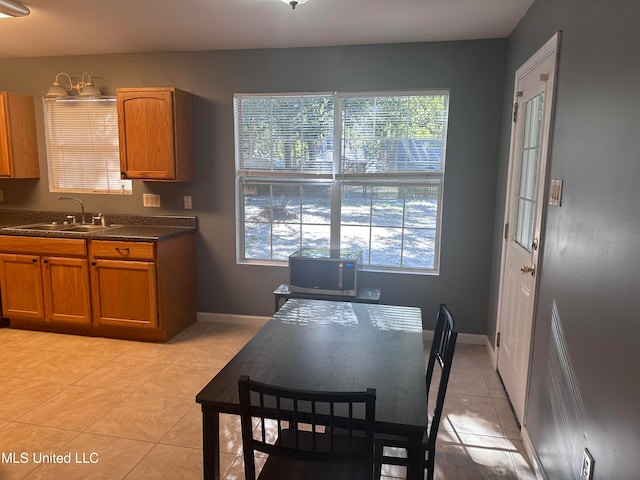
<point>45,261</point>
<point>93,264</point>
<point>34,260</point>
<point>121,250</point>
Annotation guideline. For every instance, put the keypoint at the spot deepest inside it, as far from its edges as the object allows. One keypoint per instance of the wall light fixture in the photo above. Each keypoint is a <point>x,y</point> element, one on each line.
<point>294,3</point>
<point>85,88</point>
<point>11,8</point>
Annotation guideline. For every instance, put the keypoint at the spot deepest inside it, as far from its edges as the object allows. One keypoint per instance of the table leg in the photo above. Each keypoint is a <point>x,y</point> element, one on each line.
<point>415,457</point>
<point>210,443</point>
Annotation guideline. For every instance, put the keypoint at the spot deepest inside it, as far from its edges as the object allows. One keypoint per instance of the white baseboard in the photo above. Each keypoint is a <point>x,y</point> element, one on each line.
<point>536,466</point>
<point>467,338</point>
<point>492,353</point>
<point>252,320</point>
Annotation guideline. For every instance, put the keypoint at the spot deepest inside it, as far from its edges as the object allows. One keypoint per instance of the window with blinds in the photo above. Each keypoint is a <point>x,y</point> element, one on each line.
<point>284,135</point>
<point>342,170</point>
<point>82,146</point>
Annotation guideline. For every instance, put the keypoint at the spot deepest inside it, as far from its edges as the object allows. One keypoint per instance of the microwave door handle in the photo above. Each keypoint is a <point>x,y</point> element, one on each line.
<point>340,274</point>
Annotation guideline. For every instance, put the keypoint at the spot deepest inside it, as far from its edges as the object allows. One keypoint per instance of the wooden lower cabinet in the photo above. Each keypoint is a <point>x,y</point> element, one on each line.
<point>66,290</point>
<point>124,293</point>
<point>142,290</point>
<point>21,284</point>
<point>146,289</point>
<point>51,289</point>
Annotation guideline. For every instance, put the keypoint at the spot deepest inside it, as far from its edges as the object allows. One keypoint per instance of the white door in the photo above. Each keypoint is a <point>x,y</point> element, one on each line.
<point>533,108</point>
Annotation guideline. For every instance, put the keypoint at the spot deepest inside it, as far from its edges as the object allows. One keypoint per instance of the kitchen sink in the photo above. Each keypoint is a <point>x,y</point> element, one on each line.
<point>85,228</point>
<point>40,226</point>
<point>61,227</point>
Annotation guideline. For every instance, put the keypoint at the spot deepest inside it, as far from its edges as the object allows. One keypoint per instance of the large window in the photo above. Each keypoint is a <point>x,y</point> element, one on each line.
<point>359,171</point>
<point>82,146</point>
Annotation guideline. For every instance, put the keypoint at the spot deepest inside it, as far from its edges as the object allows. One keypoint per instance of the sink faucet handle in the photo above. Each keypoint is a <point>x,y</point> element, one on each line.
<point>99,220</point>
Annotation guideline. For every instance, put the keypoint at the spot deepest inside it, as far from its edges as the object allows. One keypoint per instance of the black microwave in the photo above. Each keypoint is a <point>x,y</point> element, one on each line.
<point>325,271</point>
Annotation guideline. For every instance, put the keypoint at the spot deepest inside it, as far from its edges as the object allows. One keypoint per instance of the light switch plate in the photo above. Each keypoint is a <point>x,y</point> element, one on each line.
<point>151,200</point>
<point>587,465</point>
<point>188,205</point>
<point>555,192</point>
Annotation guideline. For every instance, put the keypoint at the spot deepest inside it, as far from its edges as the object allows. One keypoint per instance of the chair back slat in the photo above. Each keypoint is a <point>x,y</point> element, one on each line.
<point>335,427</point>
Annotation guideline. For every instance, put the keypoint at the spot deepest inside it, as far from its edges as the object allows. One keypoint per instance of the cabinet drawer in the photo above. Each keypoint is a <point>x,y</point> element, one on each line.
<point>43,245</point>
<point>122,250</point>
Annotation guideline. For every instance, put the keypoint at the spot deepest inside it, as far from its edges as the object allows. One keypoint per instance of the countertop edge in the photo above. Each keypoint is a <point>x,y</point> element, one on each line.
<point>124,233</point>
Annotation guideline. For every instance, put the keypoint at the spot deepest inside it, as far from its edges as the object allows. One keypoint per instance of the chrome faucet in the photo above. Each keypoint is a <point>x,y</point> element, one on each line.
<point>99,220</point>
<point>62,197</point>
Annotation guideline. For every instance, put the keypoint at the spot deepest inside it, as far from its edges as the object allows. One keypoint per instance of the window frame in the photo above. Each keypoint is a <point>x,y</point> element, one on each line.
<point>337,179</point>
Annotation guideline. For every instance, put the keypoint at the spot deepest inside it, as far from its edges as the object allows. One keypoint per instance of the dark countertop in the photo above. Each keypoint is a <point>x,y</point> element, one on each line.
<point>134,233</point>
<point>141,232</point>
<point>124,227</point>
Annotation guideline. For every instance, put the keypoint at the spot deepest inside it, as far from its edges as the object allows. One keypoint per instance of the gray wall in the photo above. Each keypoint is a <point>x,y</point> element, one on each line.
<point>587,395</point>
<point>474,71</point>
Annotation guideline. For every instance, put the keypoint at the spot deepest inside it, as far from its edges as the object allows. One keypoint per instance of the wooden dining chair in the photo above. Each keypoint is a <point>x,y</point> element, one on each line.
<point>441,357</point>
<point>307,434</point>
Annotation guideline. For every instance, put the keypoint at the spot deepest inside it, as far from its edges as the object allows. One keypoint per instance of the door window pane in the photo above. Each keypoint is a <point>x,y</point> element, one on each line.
<point>529,171</point>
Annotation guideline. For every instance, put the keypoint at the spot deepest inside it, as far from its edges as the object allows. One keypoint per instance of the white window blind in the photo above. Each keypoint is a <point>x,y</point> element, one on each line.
<point>392,134</point>
<point>82,146</point>
<point>284,133</point>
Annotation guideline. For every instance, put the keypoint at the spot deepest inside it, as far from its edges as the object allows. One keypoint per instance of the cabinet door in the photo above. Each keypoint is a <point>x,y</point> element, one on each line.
<point>21,283</point>
<point>18,141</point>
<point>124,293</point>
<point>66,289</point>
<point>5,160</point>
<point>147,135</point>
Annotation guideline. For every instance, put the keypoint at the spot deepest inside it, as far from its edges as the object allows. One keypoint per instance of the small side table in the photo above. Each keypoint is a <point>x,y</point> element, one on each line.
<point>365,295</point>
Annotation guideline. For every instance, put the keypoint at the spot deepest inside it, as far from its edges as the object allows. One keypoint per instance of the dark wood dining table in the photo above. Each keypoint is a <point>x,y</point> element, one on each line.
<point>335,346</point>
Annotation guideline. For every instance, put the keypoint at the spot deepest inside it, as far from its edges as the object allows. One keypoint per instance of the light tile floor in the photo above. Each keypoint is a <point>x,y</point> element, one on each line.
<point>114,409</point>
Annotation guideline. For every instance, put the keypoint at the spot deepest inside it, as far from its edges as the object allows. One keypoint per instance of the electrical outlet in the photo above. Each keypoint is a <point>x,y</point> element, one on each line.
<point>587,465</point>
<point>151,200</point>
<point>187,202</point>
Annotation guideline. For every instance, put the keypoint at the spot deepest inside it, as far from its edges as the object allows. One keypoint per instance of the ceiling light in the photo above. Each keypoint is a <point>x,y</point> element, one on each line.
<point>85,88</point>
<point>11,8</point>
<point>293,3</point>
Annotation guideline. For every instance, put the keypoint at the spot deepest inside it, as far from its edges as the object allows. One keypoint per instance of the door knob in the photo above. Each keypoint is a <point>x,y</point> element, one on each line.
<point>528,269</point>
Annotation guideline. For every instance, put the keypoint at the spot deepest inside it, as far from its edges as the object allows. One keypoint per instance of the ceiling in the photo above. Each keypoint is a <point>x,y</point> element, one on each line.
<point>89,27</point>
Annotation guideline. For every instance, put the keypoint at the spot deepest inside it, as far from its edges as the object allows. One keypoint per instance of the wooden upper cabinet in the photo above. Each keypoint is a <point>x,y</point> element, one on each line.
<point>155,129</point>
<point>18,141</point>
